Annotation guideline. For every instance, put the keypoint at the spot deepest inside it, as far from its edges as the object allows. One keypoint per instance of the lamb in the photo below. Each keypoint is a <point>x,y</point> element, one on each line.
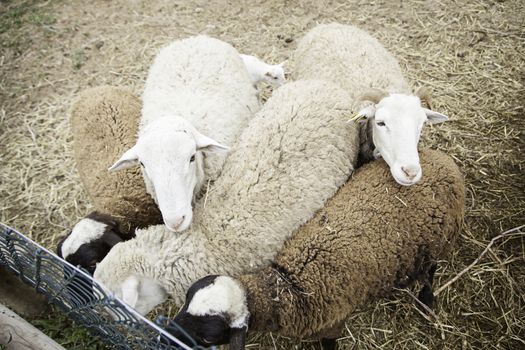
<point>372,236</point>
<point>90,240</point>
<point>261,71</point>
<point>197,98</point>
<point>85,246</point>
<point>291,158</point>
<point>104,122</point>
<point>353,59</point>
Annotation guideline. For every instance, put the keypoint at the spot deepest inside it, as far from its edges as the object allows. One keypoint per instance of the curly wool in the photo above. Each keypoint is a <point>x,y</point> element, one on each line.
<point>292,157</point>
<point>373,235</point>
<point>349,57</point>
<point>353,59</point>
<point>104,123</point>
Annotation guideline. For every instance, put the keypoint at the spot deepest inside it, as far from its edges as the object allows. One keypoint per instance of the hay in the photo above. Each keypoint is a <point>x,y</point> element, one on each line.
<point>471,55</point>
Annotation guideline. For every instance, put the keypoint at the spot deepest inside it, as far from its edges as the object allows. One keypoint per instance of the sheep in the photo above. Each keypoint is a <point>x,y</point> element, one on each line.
<point>261,71</point>
<point>104,121</point>
<point>197,98</point>
<point>90,240</point>
<point>353,59</point>
<point>291,158</point>
<point>372,236</point>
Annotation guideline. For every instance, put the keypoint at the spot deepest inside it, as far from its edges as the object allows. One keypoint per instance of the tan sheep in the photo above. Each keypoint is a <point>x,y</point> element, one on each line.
<point>104,123</point>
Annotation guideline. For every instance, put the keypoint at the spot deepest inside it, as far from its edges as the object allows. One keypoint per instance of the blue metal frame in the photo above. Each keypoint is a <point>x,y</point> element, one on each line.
<point>81,298</point>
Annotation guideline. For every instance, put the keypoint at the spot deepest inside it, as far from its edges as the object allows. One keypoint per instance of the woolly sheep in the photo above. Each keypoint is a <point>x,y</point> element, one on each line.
<point>372,236</point>
<point>104,122</point>
<point>292,157</point>
<point>353,59</point>
<point>261,71</point>
<point>197,98</point>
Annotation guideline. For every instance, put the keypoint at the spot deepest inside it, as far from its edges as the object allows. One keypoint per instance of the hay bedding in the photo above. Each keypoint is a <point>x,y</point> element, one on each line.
<point>471,55</point>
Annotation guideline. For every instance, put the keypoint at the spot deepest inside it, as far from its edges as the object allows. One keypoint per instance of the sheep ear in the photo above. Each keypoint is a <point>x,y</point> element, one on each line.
<point>366,113</point>
<point>128,159</point>
<point>238,338</point>
<point>207,144</point>
<point>130,291</point>
<point>435,117</point>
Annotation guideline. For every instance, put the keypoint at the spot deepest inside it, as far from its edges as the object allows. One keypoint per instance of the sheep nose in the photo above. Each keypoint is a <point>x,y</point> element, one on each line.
<point>174,224</point>
<point>410,171</point>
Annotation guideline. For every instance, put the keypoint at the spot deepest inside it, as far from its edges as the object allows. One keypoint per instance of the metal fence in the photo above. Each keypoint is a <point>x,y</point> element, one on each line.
<point>81,298</point>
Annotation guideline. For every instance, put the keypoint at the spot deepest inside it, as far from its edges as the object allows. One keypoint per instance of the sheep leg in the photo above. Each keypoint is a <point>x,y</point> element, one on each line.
<point>328,343</point>
<point>329,337</point>
<point>426,296</point>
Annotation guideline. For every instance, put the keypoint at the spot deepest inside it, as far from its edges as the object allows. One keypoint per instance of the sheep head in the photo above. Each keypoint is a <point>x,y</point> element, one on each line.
<point>274,74</point>
<point>397,123</point>
<point>170,153</point>
<point>89,241</point>
<point>215,313</point>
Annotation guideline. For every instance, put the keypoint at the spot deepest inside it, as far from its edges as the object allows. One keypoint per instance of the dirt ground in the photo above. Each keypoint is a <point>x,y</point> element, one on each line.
<point>470,54</point>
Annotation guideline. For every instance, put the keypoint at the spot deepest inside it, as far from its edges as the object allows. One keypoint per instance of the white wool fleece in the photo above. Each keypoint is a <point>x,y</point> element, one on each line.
<point>203,80</point>
<point>292,157</point>
<point>349,57</point>
<point>197,98</point>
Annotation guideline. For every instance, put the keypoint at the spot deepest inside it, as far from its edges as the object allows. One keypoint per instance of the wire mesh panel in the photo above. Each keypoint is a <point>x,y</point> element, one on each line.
<point>82,299</point>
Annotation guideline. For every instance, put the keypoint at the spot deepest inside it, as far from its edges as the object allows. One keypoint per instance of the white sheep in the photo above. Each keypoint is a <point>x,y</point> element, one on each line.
<point>292,157</point>
<point>197,98</point>
<point>353,59</point>
<point>261,71</point>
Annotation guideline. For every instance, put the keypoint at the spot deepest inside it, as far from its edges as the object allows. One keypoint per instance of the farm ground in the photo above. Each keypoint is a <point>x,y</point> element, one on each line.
<point>471,54</point>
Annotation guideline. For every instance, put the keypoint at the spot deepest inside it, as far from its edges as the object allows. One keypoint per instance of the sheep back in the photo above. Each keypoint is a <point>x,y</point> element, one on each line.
<point>293,156</point>
<point>373,235</point>
<point>349,57</point>
<point>104,123</point>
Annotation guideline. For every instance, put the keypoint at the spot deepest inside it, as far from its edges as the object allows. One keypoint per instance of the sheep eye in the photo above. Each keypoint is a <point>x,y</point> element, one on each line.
<point>141,164</point>
<point>192,159</point>
<point>274,78</point>
<point>380,123</point>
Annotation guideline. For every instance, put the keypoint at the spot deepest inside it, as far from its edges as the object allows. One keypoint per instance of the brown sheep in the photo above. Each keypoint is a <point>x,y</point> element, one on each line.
<point>372,236</point>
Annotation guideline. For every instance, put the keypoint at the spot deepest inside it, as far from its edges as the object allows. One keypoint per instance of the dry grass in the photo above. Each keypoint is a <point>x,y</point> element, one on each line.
<point>471,54</point>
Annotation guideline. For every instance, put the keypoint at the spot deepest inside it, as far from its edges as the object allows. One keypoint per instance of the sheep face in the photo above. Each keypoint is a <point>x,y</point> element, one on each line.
<point>261,71</point>
<point>90,241</point>
<point>275,75</point>
<point>169,151</point>
<point>397,123</point>
<point>215,312</point>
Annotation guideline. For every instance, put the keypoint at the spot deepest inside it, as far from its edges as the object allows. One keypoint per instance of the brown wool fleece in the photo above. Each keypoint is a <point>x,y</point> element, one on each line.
<point>104,123</point>
<point>373,235</point>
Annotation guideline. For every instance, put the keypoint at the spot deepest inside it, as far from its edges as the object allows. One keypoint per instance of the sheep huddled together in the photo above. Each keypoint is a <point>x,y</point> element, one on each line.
<point>293,156</point>
<point>370,237</point>
<point>286,179</point>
